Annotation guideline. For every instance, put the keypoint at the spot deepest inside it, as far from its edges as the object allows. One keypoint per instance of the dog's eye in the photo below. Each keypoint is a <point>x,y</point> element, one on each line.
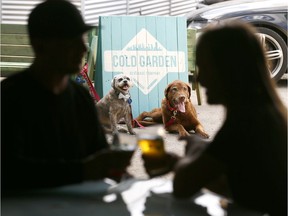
<point>120,79</point>
<point>128,79</point>
<point>185,89</point>
<point>174,89</point>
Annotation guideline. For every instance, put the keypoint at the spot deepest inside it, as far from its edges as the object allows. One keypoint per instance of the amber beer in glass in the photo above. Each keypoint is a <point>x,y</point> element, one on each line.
<point>151,145</point>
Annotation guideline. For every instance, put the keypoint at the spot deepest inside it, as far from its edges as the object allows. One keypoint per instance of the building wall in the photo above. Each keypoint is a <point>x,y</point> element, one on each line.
<point>16,11</point>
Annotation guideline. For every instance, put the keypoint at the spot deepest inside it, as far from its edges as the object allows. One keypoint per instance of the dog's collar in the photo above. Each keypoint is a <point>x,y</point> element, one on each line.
<point>125,97</point>
<point>173,117</point>
<point>172,109</point>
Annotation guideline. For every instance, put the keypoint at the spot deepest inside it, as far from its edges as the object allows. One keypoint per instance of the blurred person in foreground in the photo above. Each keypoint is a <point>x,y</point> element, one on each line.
<point>50,132</point>
<point>250,150</point>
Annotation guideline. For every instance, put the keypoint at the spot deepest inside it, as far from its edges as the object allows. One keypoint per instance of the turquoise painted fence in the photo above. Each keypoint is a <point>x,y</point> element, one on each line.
<point>151,50</point>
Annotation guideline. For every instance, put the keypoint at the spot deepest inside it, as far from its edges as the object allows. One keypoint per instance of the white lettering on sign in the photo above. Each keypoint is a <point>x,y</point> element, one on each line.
<point>145,60</point>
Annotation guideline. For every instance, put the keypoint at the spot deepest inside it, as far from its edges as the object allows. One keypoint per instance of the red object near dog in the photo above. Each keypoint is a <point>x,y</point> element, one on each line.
<point>92,90</point>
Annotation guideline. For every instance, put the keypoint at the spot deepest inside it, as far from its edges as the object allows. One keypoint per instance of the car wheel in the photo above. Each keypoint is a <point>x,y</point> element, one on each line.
<point>276,52</point>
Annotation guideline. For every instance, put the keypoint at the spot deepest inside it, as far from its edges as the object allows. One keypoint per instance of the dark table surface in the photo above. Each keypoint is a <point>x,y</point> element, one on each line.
<point>131,197</point>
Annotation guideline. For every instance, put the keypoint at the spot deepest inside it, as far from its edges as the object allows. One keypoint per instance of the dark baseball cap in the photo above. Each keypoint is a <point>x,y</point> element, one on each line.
<point>56,19</point>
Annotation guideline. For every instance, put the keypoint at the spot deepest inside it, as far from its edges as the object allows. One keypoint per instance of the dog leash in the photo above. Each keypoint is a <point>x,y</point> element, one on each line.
<point>92,90</point>
<point>134,121</point>
<point>173,117</point>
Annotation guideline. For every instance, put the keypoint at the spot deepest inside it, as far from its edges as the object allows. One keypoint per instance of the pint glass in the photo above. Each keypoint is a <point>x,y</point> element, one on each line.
<point>151,143</point>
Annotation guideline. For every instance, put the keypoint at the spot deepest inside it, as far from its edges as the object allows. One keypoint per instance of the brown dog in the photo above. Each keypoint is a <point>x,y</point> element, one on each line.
<point>176,113</point>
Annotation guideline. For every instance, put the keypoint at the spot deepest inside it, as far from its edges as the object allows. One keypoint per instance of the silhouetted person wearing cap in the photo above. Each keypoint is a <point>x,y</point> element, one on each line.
<point>50,131</point>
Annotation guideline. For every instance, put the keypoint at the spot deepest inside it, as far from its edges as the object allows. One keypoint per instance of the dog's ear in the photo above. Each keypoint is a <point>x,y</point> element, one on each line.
<point>130,81</point>
<point>113,82</point>
<point>189,89</point>
<point>167,90</point>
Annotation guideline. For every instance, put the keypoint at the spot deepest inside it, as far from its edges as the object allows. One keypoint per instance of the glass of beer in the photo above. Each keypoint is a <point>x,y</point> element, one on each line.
<point>123,142</point>
<point>151,143</point>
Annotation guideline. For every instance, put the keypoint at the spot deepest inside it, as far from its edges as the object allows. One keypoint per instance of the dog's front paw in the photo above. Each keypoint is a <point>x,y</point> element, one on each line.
<point>132,132</point>
<point>202,133</point>
<point>183,133</point>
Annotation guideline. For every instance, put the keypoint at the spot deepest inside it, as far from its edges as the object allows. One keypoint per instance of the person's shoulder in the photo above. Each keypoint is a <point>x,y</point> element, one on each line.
<point>80,91</point>
<point>77,87</point>
<point>13,92</point>
<point>14,81</point>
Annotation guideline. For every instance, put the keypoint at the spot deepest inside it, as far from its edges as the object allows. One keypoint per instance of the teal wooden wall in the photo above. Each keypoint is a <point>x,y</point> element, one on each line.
<point>151,50</point>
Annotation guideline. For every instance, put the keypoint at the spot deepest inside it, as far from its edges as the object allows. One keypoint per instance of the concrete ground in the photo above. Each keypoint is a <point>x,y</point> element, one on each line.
<point>211,118</point>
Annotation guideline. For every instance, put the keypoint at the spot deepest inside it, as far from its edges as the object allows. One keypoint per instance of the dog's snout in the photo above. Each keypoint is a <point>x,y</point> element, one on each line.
<point>125,81</point>
<point>182,98</point>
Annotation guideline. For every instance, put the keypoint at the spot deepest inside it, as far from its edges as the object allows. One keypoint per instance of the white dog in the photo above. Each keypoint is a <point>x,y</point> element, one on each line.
<point>116,105</point>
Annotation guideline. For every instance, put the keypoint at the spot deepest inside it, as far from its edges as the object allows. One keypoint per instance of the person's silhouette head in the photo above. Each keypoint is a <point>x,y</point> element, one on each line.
<point>232,64</point>
<point>56,19</point>
<point>56,30</point>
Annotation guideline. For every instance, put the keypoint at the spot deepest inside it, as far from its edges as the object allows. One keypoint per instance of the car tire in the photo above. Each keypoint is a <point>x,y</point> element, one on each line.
<point>276,52</point>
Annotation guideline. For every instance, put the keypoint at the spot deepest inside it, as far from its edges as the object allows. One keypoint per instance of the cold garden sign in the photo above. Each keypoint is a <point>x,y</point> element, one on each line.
<point>152,50</point>
<point>144,56</point>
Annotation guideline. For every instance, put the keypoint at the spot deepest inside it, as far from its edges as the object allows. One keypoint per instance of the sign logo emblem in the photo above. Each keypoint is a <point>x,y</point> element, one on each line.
<point>145,60</point>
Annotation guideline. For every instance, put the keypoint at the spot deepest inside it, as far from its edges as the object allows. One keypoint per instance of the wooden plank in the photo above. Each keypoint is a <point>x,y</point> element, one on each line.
<point>182,48</point>
<point>98,76</point>
<point>191,47</point>
<point>134,92</point>
<point>15,64</point>
<point>110,32</point>
<point>14,50</point>
<point>93,32</point>
<point>8,71</point>
<point>91,58</point>
<point>162,38</point>
<point>171,31</point>
<point>13,29</point>
<point>21,39</point>
<point>152,73</point>
<point>16,53</point>
<point>19,59</point>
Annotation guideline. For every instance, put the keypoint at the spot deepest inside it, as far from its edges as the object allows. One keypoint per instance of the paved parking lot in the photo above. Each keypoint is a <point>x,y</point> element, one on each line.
<point>210,116</point>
